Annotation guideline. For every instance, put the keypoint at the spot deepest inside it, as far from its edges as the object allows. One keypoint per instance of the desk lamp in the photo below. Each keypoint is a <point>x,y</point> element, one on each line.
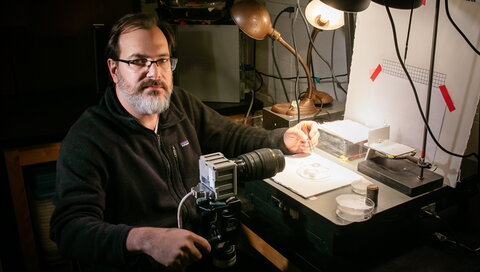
<point>321,17</point>
<point>253,19</point>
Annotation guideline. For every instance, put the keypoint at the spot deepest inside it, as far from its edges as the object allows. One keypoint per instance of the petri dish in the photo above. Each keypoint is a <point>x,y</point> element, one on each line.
<point>354,208</point>
<point>360,186</point>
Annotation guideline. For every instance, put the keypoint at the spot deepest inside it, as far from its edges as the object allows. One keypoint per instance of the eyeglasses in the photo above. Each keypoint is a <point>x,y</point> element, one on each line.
<point>141,64</point>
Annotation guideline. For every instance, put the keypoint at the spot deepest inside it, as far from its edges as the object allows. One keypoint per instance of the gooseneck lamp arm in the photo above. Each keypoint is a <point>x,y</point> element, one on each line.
<point>276,36</point>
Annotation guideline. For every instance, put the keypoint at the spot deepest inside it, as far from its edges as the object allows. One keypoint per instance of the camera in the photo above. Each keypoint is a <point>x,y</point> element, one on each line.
<point>215,196</point>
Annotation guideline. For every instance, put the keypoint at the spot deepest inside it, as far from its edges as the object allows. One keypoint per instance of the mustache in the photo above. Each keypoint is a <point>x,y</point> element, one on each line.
<point>152,82</point>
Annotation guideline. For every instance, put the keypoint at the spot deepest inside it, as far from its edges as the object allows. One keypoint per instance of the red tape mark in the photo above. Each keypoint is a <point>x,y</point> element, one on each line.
<point>424,2</point>
<point>376,72</point>
<point>447,98</point>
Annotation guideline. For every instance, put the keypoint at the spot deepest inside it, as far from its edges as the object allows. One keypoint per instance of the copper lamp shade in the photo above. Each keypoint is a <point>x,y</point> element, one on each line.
<point>254,20</point>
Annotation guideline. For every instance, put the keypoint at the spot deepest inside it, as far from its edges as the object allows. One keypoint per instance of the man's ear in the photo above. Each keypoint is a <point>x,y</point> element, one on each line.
<point>112,68</point>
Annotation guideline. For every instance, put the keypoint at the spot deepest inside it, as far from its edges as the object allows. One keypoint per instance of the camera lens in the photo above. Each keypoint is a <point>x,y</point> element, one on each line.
<point>259,164</point>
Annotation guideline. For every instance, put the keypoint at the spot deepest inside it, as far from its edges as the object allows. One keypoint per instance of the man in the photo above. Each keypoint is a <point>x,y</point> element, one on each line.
<point>125,164</point>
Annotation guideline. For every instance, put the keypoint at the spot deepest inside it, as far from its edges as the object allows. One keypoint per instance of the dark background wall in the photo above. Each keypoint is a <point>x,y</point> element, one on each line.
<point>48,64</point>
<point>47,78</point>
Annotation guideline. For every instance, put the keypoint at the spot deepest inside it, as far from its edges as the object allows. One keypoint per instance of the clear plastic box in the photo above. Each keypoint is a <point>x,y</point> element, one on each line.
<point>340,147</point>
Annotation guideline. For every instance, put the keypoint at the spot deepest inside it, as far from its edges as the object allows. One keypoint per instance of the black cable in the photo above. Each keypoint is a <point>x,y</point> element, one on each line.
<point>458,29</point>
<point>261,81</point>
<point>312,71</point>
<point>331,61</point>
<point>253,97</point>
<point>408,33</point>
<point>392,23</point>
<point>288,9</point>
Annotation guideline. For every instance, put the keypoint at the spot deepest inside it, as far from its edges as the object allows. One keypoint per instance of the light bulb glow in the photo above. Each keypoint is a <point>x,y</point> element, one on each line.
<point>323,16</point>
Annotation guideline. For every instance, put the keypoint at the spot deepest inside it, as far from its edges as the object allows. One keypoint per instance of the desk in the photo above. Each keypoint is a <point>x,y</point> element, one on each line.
<point>310,234</point>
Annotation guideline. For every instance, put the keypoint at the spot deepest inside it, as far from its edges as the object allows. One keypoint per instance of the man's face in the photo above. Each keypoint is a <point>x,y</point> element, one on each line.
<point>143,90</point>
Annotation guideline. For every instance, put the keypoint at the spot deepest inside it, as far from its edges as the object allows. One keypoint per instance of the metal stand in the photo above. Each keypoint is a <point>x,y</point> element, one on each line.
<point>401,175</point>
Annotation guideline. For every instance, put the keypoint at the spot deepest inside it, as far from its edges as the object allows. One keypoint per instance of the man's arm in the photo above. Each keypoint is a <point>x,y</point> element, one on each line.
<point>78,223</point>
<point>217,133</point>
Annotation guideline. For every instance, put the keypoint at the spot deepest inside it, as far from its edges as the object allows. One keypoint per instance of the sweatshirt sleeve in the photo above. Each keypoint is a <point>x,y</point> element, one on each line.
<point>77,223</point>
<point>218,133</point>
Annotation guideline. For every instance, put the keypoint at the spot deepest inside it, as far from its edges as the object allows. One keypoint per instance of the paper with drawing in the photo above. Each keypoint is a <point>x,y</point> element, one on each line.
<point>311,174</point>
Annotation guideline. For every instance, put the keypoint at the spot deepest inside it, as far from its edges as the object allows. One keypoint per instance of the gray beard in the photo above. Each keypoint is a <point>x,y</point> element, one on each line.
<point>150,103</point>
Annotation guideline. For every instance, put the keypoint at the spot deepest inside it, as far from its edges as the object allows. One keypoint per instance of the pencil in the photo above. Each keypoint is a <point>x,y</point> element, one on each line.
<point>308,135</point>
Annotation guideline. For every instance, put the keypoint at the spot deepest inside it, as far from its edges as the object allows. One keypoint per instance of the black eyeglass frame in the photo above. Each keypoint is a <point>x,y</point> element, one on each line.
<point>148,63</point>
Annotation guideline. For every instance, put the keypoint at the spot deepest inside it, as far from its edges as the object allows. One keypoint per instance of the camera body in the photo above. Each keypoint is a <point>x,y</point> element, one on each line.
<point>215,196</point>
<point>219,175</point>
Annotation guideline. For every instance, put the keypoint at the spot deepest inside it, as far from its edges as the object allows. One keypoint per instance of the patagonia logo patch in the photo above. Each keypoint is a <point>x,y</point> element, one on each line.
<point>184,143</point>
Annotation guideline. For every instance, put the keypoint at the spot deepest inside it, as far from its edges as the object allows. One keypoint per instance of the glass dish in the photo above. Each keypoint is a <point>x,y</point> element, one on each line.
<point>360,186</point>
<point>354,208</point>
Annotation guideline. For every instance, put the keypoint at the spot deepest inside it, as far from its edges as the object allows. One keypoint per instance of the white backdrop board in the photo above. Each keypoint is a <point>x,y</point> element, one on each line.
<point>393,103</point>
<point>374,42</point>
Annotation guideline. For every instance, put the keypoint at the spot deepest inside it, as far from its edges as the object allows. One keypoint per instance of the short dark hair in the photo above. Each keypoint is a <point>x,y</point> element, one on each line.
<point>141,20</point>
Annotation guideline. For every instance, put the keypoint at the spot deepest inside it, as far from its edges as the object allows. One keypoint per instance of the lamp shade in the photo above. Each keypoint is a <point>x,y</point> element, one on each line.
<point>323,16</point>
<point>348,5</point>
<point>400,4</point>
<point>252,18</point>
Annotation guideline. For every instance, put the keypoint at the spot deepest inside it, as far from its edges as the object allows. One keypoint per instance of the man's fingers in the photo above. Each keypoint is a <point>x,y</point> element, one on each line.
<point>202,244</point>
<point>195,254</point>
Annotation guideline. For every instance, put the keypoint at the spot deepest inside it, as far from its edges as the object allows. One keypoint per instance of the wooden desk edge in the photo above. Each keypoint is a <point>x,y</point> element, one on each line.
<point>268,251</point>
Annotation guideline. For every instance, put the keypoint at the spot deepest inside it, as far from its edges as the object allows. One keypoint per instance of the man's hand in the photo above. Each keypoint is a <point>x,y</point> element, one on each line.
<point>172,247</point>
<point>302,138</point>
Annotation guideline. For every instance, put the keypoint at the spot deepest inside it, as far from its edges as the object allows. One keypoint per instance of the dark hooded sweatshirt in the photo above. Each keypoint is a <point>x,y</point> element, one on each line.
<point>114,174</point>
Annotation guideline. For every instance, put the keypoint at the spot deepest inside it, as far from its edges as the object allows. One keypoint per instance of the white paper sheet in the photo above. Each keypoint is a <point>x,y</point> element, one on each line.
<point>329,175</point>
